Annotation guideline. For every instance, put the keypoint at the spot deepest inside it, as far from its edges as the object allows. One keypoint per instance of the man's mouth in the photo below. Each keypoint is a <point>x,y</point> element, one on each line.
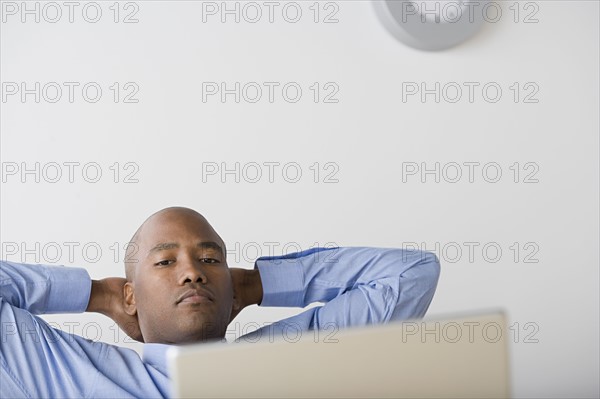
<point>195,296</point>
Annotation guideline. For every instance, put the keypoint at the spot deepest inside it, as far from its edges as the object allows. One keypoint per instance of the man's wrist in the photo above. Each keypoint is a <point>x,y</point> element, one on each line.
<point>98,298</point>
<point>256,289</point>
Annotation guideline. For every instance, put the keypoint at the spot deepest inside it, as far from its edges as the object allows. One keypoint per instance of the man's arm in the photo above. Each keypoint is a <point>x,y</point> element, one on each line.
<point>247,289</point>
<point>30,350</point>
<point>37,360</point>
<point>44,289</point>
<point>359,285</point>
<point>108,298</point>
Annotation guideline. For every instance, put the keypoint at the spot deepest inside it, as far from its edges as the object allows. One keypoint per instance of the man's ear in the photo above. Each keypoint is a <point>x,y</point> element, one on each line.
<point>236,308</point>
<point>129,295</point>
<point>236,303</point>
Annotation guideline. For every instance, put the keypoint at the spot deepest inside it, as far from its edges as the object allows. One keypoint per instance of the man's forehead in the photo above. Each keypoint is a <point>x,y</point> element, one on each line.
<point>181,227</point>
<point>156,233</point>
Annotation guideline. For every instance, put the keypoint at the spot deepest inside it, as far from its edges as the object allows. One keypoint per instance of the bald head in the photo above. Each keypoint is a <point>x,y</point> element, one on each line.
<point>158,226</point>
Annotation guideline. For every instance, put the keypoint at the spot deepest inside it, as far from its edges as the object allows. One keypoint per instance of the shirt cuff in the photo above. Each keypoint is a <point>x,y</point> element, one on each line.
<point>282,281</point>
<point>70,289</point>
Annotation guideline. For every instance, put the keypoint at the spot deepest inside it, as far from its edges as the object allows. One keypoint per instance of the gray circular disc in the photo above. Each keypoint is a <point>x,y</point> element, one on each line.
<point>431,25</point>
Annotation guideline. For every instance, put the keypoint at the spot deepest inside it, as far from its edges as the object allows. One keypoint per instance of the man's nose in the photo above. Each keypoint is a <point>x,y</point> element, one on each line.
<point>191,272</point>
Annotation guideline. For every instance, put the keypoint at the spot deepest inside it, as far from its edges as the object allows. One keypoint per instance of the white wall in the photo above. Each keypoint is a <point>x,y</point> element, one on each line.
<point>369,134</point>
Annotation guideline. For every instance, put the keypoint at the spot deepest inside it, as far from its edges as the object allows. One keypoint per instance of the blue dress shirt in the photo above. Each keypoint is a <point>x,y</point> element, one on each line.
<point>358,286</point>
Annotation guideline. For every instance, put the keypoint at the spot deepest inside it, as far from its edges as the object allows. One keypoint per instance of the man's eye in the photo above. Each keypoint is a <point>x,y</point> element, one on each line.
<point>163,263</point>
<point>209,260</point>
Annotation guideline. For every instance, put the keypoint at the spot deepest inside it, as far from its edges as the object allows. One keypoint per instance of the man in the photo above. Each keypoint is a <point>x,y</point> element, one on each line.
<point>179,289</point>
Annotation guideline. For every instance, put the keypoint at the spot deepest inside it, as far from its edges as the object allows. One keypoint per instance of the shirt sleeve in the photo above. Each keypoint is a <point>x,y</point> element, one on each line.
<point>358,285</point>
<point>41,289</point>
<point>40,361</point>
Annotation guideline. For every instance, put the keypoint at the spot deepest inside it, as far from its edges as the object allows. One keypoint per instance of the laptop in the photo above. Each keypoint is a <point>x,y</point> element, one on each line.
<point>444,357</point>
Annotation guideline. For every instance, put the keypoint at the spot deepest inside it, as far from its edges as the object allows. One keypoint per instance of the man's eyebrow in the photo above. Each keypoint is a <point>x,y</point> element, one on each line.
<point>202,244</point>
<point>163,246</point>
<point>210,245</point>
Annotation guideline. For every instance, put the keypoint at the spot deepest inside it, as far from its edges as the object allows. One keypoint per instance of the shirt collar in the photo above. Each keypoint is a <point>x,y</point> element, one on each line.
<point>156,356</point>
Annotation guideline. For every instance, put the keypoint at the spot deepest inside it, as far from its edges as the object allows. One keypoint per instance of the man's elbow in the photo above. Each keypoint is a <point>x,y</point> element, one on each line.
<point>422,267</point>
<point>430,267</point>
<point>429,274</point>
<point>417,285</point>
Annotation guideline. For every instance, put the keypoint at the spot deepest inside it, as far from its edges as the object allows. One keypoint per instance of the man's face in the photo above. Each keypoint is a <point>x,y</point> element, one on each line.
<point>181,286</point>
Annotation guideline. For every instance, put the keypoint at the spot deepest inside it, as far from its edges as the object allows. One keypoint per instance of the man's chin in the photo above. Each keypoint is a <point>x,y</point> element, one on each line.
<point>201,331</point>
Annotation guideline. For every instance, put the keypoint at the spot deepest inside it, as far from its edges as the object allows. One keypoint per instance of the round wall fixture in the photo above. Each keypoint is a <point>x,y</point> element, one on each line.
<point>435,24</point>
